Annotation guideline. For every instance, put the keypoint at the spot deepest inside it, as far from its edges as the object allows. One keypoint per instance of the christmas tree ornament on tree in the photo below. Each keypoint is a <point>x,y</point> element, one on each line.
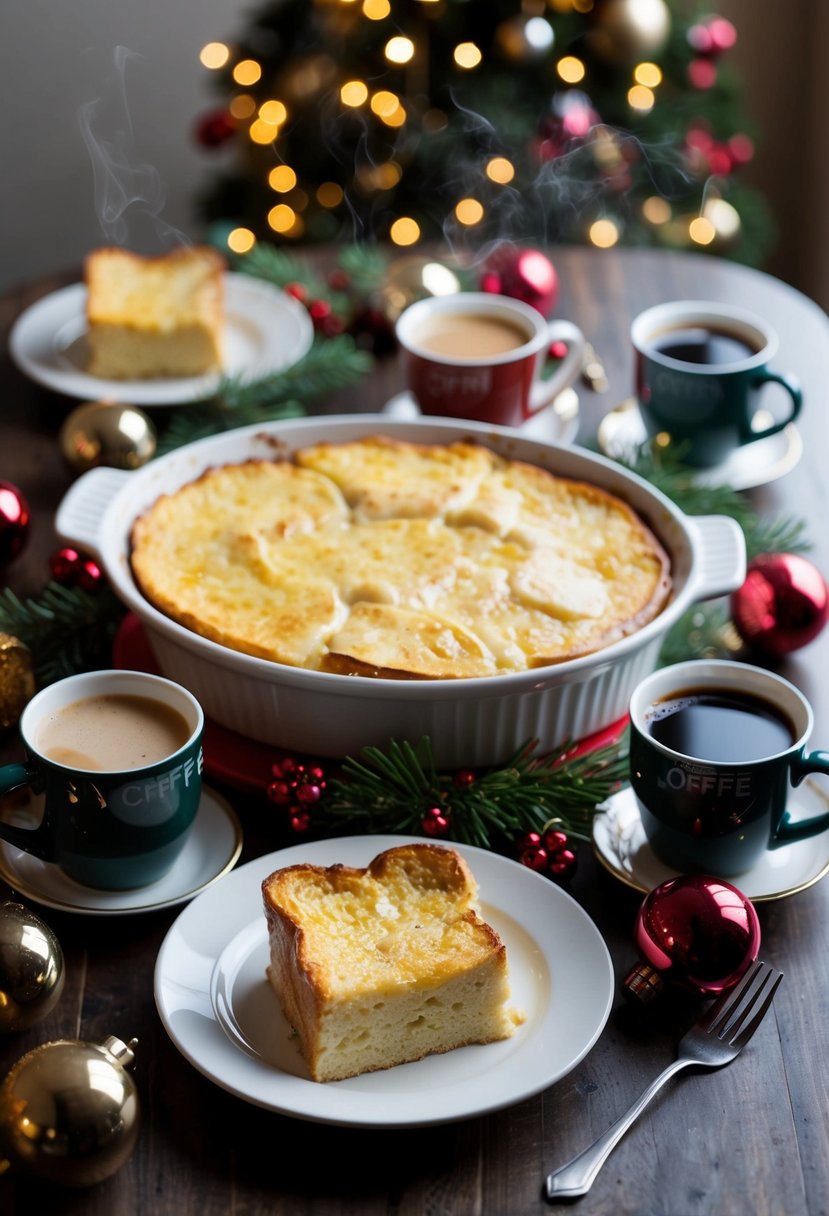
<point>695,930</point>
<point>15,517</point>
<point>411,278</point>
<point>17,679</point>
<point>523,274</point>
<point>106,433</point>
<point>628,31</point>
<point>782,605</point>
<point>31,968</point>
<point>69,1112</point>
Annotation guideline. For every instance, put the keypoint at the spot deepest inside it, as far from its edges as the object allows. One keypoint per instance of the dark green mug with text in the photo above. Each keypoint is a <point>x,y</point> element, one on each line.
<point>113,763</point>
<point>702,379</point>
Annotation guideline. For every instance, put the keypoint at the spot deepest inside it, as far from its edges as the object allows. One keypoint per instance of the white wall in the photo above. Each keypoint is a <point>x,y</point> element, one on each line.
<point>57,57</point>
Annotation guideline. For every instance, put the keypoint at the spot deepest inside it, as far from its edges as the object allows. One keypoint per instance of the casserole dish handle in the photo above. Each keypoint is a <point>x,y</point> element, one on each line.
<point>81,511</point>
<point>721,546</point>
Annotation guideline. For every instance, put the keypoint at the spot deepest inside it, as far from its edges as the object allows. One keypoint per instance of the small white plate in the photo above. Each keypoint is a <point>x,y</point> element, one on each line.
<point>622,431</point>
<point>265,331</point>
<point>219,1010</point>
<point>621,846</point>
<point>558,422</point>
<point>212,850</point>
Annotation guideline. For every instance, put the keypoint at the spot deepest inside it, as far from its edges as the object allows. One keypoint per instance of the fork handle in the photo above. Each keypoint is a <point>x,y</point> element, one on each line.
<point>578,1175</point>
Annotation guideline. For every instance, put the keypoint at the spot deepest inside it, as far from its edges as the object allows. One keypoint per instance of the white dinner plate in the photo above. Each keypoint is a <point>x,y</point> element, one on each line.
<point>213,848</point>
<point>622,431</point>
<point>621,846</point>
<point>221,1013</point>
<point>265,331</point>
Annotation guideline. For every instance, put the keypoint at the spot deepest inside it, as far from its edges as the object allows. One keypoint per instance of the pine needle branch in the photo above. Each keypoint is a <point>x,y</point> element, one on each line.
<point>67,629</point>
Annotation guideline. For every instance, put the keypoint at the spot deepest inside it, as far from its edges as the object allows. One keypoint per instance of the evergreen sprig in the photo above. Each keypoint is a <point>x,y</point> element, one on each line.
<point>392,791</point>
<point>67,629</point>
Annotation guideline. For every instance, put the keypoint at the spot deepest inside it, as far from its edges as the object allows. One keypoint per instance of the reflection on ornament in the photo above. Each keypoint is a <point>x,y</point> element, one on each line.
<point>105,433</point>
<point>17,680</point>
<point>696,930</point>
<point>625,31</point>
<point>415,278</point>
<point>15,517</point>
<point>31,968</point>
<point>782,605</point>
<point>69,1112</point>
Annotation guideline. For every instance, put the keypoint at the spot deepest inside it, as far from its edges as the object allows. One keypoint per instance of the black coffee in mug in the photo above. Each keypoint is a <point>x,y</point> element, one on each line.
<point>703,345</point>
<point>720,725</point>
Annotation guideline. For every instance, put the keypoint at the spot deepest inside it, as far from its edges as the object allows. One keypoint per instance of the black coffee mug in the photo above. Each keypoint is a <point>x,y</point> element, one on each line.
<point>715,749</point>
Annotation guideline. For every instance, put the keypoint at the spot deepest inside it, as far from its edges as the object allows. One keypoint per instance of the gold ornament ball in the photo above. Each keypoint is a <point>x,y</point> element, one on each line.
<point>412,278</point>
<point>31,968</point>
<point>106,433</point>
<point>627,31</point>
<point>17,679</point>
<point>69,1112</point>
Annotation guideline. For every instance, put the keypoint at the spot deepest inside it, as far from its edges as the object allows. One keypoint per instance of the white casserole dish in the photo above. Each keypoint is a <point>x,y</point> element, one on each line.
<point>470,722</point>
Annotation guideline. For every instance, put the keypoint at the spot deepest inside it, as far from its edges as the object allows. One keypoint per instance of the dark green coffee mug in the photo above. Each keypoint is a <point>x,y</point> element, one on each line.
<point>701,371</point>
<point>719,816</point>
<point>116,815</point>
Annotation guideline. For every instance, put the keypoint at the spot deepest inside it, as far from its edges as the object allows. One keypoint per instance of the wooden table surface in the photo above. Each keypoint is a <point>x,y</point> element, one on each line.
<point>750,1138</point>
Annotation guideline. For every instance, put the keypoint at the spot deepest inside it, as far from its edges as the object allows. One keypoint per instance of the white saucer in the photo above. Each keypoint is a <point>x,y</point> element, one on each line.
<point>265,331</point>
<point>622,431</point>
<point>556,423</point>
<point>620,845</point>
<point>212,850</point>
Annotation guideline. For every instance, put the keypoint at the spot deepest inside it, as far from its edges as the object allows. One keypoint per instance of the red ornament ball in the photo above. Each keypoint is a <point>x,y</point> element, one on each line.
<point>15,517</point>
<point>215,129</point>
<point>522,274</point>
<point>63,565</point>
<point>782,605</point>
<point>699,931</point>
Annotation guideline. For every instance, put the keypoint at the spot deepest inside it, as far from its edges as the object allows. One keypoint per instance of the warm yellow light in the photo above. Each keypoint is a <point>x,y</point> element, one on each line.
<point>240,240</point>
<point>247,72</point>
<point>263,132</point>
<point>701,230</point>
<point>399,49</point>
<point>467,55</point>
<point>582,6</point>
<point>376,10</point>
<point>384,103</point>
<point>656,210</point>
<point>641,98</point>
<point>396,118</point>
<point>648,74</point>
<point>329,194</point>
<point>282,218</point>
<point>387,175</point>
<point>500,170</point>
<point>405,231</point>
<point>353,93</point>
<point>603,233</point>
<point>214,55</point>
<point>570,69</point>
<point>724,217</point>
<point>469,211</point>
<point>242,106</point>
<point>282,178</point>
<point>273,112</point>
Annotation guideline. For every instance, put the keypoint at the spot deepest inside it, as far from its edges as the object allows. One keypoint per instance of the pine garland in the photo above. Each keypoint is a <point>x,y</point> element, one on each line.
<point>67,629</point>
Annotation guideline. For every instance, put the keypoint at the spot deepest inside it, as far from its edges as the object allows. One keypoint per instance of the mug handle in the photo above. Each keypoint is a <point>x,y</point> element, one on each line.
<point>543,391</point>
<point>814,762</point>
<point>31,840</point>
<point>792,386</point>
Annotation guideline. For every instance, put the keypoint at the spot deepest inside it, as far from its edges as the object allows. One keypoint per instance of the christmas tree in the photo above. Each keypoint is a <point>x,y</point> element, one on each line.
<point>474,121</point>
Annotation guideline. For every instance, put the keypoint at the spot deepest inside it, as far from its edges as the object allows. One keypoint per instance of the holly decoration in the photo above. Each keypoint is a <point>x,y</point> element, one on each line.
<point>297,788</point>
<point>15,517</point>
<point>548,852</point>
<point>782,605</point>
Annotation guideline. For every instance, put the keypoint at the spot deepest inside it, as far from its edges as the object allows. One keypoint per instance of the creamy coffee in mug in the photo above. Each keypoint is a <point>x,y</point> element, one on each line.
<point>470,335</point>
<point>112,731</point>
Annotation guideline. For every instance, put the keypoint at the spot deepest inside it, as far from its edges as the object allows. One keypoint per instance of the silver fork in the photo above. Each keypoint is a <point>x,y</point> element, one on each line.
<point>714,1040</point>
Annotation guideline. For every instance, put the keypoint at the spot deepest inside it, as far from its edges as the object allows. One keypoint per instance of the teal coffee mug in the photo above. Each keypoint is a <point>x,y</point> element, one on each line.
<point>716,748</point>
<point>702,371</point>
<point>113,762</point>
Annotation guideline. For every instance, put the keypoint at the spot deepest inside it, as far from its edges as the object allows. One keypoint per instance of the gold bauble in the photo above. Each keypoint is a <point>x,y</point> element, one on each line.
<point>69,1112</point>
<point>31,968</point>
<point>627,31</point>
<point>106,433</point>
<point>17,680</point>
<point>412,278</point>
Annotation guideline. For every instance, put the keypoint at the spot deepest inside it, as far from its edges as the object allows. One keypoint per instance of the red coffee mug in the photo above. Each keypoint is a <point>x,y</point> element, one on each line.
<point>503,387</point>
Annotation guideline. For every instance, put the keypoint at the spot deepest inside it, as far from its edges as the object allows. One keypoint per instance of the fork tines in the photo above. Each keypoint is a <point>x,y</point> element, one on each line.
<point>741,1009</point>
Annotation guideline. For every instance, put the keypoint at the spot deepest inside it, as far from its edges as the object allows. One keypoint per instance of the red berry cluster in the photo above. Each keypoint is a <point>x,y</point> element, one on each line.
<point>321,312</point>
<point>708,39</point>
<point>707,156</point>
<point>298,788</point>
<point>74,569</point>
<point>547,853</point>
<point>435,822</point>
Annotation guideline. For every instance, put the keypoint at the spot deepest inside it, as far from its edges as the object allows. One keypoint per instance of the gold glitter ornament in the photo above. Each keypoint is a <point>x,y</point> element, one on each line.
<point>17,680</point>
<point>106,433</point>
<point>69,1112</point>
<point>412,278</point>
<point>31,968</point>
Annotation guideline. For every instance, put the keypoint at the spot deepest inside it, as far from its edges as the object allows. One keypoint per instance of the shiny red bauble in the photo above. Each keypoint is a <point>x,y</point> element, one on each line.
<point>782,605</point>
<point>522,274</point>
<point>14,522</point>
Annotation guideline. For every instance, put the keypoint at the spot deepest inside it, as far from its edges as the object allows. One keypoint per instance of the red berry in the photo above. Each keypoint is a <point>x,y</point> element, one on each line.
<point>300,821</point>
<point>298,290</point>
<point>563,863</point>
<point>464,776</point>
<point>435,825</point>
<point>529,840</point>
<point>308,792</point>
<point>554,840</point>
<point>534,858</point>
<point>89,575</point>
<point>63,564</point>
<point>279,792</point>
